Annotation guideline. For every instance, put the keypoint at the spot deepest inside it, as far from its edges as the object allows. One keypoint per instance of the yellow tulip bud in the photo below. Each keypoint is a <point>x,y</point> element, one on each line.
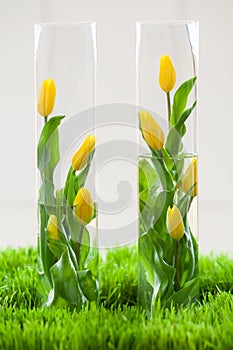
<point>151,131</point>
<point>190,178</point>
<point>46,97</point>
<point>167,74</point>
<point>52,227</point>
<point>84,207</point>
<point>175,225</point>
<point>79,159</point>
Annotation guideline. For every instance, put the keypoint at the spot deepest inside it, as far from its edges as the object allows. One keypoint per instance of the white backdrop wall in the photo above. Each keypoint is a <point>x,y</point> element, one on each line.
<point>115,83</point>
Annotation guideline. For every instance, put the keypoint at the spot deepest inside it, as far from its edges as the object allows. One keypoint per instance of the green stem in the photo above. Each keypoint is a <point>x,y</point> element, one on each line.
<point>163,173</point>
<point>45,119</point>
<point>79,243</point>
<point>168,107</point>
<point>177,283</point>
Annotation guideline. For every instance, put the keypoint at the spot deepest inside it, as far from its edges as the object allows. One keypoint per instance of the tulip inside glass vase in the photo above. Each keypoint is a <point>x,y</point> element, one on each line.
<point>68,265</point>
<point>67,215</point>
<point>168,188</point>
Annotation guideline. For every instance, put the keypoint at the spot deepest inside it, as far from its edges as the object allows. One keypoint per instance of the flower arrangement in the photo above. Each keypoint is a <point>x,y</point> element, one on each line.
<point>68,265</point>
<point>168,250</point>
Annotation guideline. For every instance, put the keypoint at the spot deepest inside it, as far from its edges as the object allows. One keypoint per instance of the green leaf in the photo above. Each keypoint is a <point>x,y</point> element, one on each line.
<point>163,201</point>
<point>146,257</point>
<point>168,159</point>
<point>180,100</point>
<point>148,184</point>
<point>186,259</point>
<point>196,254</point>
<point>46,256</point>
<point>71,187</point>
<point>46,196</point>
<point>160,275</point>
<point>44,287</point>
<point>60,209</point>
<point>73,226</point>
<point>84,248</point>
<point>66,290</point>
<point>147,176</point>
<point>147,198</point>
<point>174,138</point>
<point>155,216</point>
<point>185,296</point>
<point>183,118</point>
<point>162,171</point>
<point>48,154</point>
<point>185,202</point>
<point>82,175</point>
<point>88,285</point>
<point>93,264</point>
<point>57,248</point>
<point>174,141</point>
<point>75,181</point>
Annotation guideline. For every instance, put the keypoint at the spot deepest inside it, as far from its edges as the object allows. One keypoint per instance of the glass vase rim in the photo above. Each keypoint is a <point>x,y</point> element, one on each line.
<point>48,24</point>
<point>186,155</point>
<point>168,22</point>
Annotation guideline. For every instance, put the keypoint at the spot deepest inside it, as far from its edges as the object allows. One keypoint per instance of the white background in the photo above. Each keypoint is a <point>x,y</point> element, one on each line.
<point>116,55</point>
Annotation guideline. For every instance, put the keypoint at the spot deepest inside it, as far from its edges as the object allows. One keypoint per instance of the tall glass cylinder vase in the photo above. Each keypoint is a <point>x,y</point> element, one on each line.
<point>65,58</point>
<point>167,56</point>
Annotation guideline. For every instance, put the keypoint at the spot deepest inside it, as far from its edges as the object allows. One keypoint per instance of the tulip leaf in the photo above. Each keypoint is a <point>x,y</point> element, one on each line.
<point>146,258</point>
<point>147,175</point>
<point>88,285</point>
<point>163,201</point>
<point>148,184</point>
<point>153,206</point>
<point>46,196</point>
<point>69,189</point>
<point>156,255</point>
<point>48,154</point>
<point>185,296</point>
<point>46,256</point>
<point>93,264</point>
<point>174,138</point>
<point>180,100</point>
<point>57,248</point>
<point>84,248</point>
<point>66,290</point>
<point>186,259</point>
<point>168,159</point>
<point>60,208</point>
<point>184,117</point>
<point>82,175</point>
<point>44,287</point>
<point>75,182</point>
<point>72,224</point>
<point>174,141</point>
<point>147,198</point>
<point>159,274</point>
<point>185,202</point>
<point>164,175</point>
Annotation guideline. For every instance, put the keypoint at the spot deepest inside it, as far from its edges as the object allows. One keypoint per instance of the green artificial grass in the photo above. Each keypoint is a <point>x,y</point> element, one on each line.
<point>118,324</point>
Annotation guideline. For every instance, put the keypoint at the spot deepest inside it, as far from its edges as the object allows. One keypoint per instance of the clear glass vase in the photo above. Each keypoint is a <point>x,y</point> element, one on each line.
<point>65,59</point>
<point>167,56</point>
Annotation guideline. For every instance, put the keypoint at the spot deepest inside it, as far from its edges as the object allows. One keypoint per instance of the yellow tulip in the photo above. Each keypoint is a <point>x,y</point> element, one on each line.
<point>84,207</point>
<point>79,159</point>
<point>46,97</point>
<point>167,74</point>
<point>190,178</point>
<point>52,227</point>
<point>175,225</point>
<point>151,131</point>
